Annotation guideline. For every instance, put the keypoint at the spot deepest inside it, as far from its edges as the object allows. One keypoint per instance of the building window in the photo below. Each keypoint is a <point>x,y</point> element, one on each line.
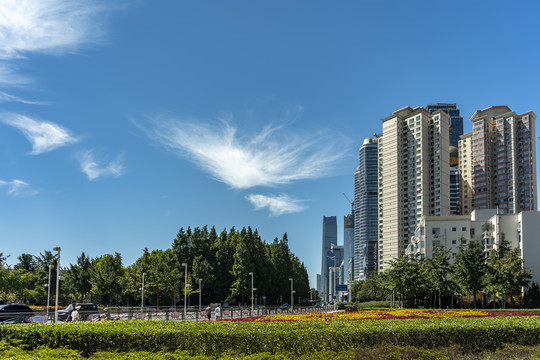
<point>453,229</point>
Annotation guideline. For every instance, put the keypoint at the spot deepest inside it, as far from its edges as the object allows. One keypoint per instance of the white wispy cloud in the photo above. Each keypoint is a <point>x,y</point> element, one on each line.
<point>44,26</point>
<point>9,76</point>
<point>54,26</point>
<point>44,136</point>
<point>5,97</point>
<point>94,170</point>
<point>18,188</point>
<point>278,205</point>
<point>268,158</point>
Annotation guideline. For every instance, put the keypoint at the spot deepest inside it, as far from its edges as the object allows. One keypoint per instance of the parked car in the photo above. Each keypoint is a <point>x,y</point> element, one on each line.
<point>86,310</point>
<point>284,306</point>
<point>15,313</point>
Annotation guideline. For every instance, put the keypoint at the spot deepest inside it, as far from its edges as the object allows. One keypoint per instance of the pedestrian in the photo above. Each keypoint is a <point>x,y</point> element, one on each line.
<point>208,312</point>
<point>106,314</point>
<point>75,316</point>
<point>218,312</point>
<point>70,309</point>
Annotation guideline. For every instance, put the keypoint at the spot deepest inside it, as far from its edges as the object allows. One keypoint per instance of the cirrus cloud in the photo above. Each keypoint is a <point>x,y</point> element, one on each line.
<point>44,26</point>
<point>18,188</point>
<point>94,170</point>
<point>278,205</point>
<point>270,157</point>
<point>44,136</point>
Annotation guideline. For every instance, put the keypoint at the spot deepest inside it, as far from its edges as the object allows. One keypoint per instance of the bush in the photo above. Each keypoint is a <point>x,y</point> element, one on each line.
<point>471,335</point>
<point>374,305</point>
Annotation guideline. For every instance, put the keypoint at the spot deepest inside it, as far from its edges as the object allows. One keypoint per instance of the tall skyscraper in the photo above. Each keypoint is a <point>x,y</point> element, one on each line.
<point>366,214</point>
<point>329,238</point>
<point>413,176</point>
<point>348,248</point>
<point>456,120</point>
<point>504,160</point>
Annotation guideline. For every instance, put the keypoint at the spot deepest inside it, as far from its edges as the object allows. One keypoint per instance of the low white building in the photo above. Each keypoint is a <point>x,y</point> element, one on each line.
<point>486,226</point>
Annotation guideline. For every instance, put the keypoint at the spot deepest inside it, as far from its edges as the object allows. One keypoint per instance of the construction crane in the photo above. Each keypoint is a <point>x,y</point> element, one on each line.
<point>350,202</point>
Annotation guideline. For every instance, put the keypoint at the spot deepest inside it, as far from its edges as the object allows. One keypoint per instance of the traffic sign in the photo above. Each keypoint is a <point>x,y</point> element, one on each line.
<point>341,287</point>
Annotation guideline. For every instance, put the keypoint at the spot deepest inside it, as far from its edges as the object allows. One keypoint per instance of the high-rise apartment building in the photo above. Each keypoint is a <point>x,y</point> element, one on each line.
<point>329,238</point>
<point>503,146</point>
<point>456,120</point>
<point>455,180</point>
<point>466,173</point>
<point>366,210</point>
<point>413,176</point>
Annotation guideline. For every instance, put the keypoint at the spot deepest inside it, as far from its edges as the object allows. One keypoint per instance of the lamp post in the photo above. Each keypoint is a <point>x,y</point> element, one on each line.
<point>49,291</point>
<point>200,295</point>
<point>142,288</point>
<point>185,290</point>
<point>251,273</point>
<point>57,283</point>
<point>292,295</point>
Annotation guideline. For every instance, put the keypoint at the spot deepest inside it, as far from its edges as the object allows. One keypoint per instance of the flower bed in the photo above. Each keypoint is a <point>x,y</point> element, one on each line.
<point>388,315</point>
<point>214,338</point>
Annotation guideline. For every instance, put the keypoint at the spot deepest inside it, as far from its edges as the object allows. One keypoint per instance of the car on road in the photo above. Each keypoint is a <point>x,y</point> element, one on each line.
<point>86,310</point>
<point>15,313</point>
<point>284,306</point>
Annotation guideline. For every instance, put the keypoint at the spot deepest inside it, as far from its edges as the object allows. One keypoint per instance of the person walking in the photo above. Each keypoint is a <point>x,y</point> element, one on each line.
<point>218,313</point>
<point>75,316</point>
<point>208,312</point>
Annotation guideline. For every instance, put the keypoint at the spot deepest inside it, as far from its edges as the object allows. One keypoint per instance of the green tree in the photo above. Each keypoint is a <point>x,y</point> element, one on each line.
<point>470,267</point>
<point>406,277</point>
<point>26,262</point>
<point>438,270</point>
<point>80,276</point>
<point>106,276</point>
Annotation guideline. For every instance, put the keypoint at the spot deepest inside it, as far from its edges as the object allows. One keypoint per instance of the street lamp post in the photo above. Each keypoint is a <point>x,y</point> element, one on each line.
<point>251,273</point>
<point>292,295</point>
<point>185,290</point>
<point>49,291</point>
<point>57,283</point>
<point>142,288</point>
<point>200,295</point>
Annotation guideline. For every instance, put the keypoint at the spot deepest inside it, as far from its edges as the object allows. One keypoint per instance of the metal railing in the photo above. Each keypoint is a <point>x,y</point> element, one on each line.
<point>169,314</point>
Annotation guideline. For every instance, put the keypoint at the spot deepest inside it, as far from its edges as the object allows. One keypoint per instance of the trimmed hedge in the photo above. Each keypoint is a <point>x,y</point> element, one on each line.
<point>296,338</point>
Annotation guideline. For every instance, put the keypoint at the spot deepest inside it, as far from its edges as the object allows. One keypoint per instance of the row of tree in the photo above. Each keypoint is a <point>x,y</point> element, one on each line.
<point>221,263</point>
<point>434,281</point>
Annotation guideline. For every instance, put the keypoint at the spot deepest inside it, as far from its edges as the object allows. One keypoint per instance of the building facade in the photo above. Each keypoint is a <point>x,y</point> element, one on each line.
<point>413,176</point>
<point>456,120</point>
<point>466,173</point>
<point>504,160</point>
<point>329,239</point>
<point>348,248</point>
<point>486,226</point>
<point>366,210</point>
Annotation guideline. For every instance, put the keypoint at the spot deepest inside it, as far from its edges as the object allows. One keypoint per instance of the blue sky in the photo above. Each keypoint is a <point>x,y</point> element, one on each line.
<point>121,122</point>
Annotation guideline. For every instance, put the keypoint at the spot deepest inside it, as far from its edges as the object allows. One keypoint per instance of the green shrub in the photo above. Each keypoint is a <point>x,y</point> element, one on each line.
<point>374,305</point>
<point>471,335</point>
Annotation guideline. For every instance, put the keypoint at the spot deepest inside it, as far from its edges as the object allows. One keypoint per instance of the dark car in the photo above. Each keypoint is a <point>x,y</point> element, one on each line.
<point>284,306</point>
<point>15,313</point>
<point>86,310</point>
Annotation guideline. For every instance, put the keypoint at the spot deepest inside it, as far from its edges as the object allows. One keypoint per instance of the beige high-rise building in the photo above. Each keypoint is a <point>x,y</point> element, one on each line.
<point>413,176</point>
<point>498,162</point>
<point>466,171</point>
